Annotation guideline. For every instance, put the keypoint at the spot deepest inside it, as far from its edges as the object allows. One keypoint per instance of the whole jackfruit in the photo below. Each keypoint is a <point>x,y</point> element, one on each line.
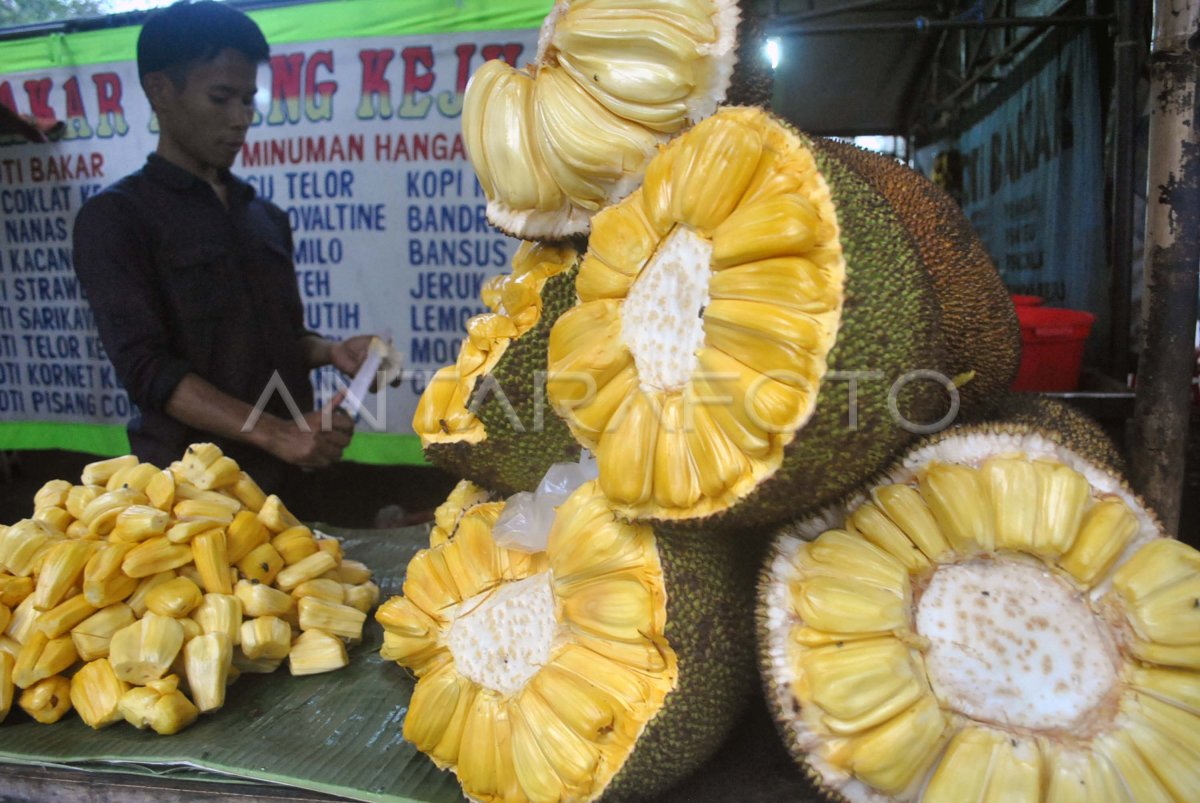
<point>611,663</point>
<point>557,141</point>
<point>485,417</point>
<point>754,324</point>
<point>995,618</point>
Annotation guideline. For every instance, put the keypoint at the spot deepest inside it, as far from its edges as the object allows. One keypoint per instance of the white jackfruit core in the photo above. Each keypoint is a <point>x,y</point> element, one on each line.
<point>500,639</point>
<point>662,319</point>
<point>1012,644</point>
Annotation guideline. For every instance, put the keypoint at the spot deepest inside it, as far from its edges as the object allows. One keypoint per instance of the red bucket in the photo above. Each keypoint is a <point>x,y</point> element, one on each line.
<point>1051,347</point>
<point>1026,301</point>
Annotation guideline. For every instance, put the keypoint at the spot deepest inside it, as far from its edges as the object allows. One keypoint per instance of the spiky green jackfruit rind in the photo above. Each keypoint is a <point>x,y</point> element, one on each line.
<point>1057,421</point>
<point>709,610</point>
<point>979,321</point>
<point>753,80</point>
<point>889,330</point>
<point>524,436</point>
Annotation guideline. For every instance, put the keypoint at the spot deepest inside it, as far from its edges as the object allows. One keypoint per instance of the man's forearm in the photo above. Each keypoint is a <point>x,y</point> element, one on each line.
<point>197,403</point>
<point>317,351</point>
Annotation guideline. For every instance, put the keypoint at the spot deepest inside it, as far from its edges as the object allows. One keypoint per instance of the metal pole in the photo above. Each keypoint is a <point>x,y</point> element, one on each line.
<point>845,8</point>
<point>787,26</point>
<point>1125,60</point>
<point>1160,423</point>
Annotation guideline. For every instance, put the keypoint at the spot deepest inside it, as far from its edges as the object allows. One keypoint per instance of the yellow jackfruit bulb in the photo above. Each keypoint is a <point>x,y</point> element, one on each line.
<point>135,478</point>
<point>246,491</point>
<point>1104,533</point>
<point>61,570</point>
<point>275,516</point>
<point>23,621</point>
<point>23,545</point>
<point>139,522</point>
<point>164,709</point>
<point>40,657</point>
<point>103,581</point>
<point>96,693</point>
<point>308,568</point>
<point>324,588</point>
<point>56,517</point>
<point>956,497</point>
<point>260,599</point>
<point>363,597</point>
<point>175,598</point>
<point>221,474</point>
<point>160,490</point>
<point>206,508</point>
<point>14,589</point>
<point>220,613</point>
<point>243,534</point>
<point>212,561</point>
<point>52,494</point>
<point>80,496</point>
<point>261,564</point>
<point>154,556</point>
<point>353,572</point>
<point>295,544</point>
<point>332,546</point>
<point>64,616</point>
<point>101,513</point>
<point>208,659</point>
<point>316,651</point>
<point>92,636</point>
<point>7,687</point>
<point>99,472</point>
<point>198,459</point>
<point>266,637</point>
<point>137,600</point>
<point>144,650</point>
<point>184,531</point>
<point>48,700</point>
<point>331,617</point>
<point>5,616</point>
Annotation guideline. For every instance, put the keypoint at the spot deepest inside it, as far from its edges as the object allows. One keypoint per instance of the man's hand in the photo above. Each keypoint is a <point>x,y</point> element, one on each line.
<point>348,355</point>
<point>329,432</point>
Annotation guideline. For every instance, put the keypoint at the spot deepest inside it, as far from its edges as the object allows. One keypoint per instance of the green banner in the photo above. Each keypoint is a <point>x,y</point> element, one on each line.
<point>303,22</point>
<point>110,440</point>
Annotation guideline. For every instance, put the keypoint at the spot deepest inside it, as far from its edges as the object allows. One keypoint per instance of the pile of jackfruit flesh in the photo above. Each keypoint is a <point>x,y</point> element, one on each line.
<point>996,620</point>
<point>555,142</point>
<point>537,671</point>
<point>443,413</point>
<point>709,302</point>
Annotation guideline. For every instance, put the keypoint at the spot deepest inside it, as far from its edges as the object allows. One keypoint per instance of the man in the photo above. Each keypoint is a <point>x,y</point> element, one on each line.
<point>190,275</point>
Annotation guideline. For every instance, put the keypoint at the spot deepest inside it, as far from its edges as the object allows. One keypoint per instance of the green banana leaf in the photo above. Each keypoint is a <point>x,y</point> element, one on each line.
<point>336,733</point>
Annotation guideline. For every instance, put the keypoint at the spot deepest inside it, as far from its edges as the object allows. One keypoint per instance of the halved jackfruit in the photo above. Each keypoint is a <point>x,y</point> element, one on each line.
<point>583,670</point>
<point>752,324</point>
<point>995,618</point>
<point>557,141</point>
<point>485,418</point>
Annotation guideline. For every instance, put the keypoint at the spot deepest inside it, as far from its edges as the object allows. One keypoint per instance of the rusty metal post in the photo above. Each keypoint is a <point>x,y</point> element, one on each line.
<point>1172,256</point>
<point>1126,52</point>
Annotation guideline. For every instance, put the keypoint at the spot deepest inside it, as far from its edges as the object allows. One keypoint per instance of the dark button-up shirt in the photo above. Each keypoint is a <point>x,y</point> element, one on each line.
<point>178,284</point>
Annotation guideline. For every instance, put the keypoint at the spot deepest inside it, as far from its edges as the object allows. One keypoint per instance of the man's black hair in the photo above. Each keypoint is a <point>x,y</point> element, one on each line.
<point>185,34</point>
